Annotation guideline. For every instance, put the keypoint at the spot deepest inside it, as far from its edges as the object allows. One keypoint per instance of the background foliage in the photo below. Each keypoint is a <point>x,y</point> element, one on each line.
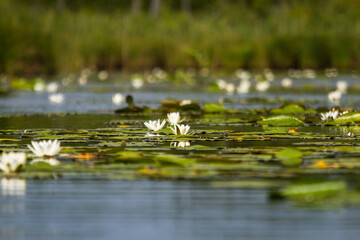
<point>41,37</point>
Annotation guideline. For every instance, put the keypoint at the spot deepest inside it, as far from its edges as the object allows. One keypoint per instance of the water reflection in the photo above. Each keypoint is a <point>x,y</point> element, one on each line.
<point>344,131</point>
<point>180,144</point>
<point>50,161</point>
<point>13,187</point>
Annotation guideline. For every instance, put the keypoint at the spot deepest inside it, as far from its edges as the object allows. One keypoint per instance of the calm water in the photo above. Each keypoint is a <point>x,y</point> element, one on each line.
<point>96,97</point>
<point>100,209</point>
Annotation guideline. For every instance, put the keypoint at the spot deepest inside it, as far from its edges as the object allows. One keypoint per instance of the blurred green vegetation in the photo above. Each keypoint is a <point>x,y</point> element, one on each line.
<point>38,38</point>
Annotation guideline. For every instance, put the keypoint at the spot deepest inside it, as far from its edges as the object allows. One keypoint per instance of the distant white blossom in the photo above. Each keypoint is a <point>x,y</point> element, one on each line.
<point>12,161</point>
<point>334,96</point>
<point>242,74</point>
<point>331,72</point>
<point>56,98</point>
<point>309,73</point>
<point>173,118</point>
<point>52,87</point>
<point>342,86</point>
<point>45,148</point>
<point>83,80</point>
<point>221,83</point>
<point>155,125</point>
<point>244,86</point>
<point>269,75</point>
<point>118,98</point>
<point>137,83</point>
<point>286,83</point>
<point>103,75</point>
<point>262,86</point>
<point>39,87</point>
<point>159,73</point>
<point>185,102</point>
<point>230,88</point>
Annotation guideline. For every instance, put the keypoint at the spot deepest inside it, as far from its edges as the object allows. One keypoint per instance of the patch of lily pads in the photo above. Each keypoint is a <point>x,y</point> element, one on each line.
<point>277,149</point>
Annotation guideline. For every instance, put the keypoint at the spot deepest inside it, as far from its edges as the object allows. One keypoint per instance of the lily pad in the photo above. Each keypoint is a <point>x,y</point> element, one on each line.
<point>290,157</point>
<point>312,191</point>
<point>214,107</point>
<point>348,118</point>
<point>281,120</point>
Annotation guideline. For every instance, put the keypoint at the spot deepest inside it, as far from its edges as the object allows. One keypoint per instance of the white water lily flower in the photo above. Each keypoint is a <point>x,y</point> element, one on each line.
<point>262,86</point>
<point>185,102</point>
<point>181,144</point>
<point>230,88</point>
<point>332,114</point>
<point>269,75</point>
<point>221,83</point>
<point>342,86</point>
<point>52,87</point>
<point>180,129</point>
<point>39,87</point>
<point>50,161</point>
<point>103,75</point>
<point>83,80</point>
<point>12,161</point>
<point>155,125</point>
<point>309,73</point>
<point>173,118</point>
<point>242,74</point>
<point>56,98</point>
<point>45,148</point>
<point>137,83</point>
<point>118,98</point>
<point>331,72</point>
<point>286,83</point>
<point>244,86</point>
<point>13,186</point>
<point>335,96</point>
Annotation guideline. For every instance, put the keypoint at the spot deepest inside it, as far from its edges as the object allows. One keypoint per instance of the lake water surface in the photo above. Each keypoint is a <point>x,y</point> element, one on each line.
<point>96,208</point>
<point>101,209</point>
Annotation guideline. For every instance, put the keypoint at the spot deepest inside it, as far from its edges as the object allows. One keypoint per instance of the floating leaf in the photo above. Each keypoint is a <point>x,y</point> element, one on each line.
<point>214,107</point>
<point>312,191</point>
<point>281,120</point>
<point>348,118</point>
<point>290,157</point>
<point>292,108</point>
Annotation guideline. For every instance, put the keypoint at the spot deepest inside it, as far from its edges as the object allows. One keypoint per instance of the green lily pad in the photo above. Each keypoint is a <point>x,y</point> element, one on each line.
<point>214,107</point>
<point>348,118</point>
<point>292,108</point>
<point>290,157</point>
<point>281,120</point>
<point>312,191</point>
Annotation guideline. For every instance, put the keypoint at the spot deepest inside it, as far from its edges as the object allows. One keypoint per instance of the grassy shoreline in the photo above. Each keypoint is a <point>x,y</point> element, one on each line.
<point>40,40</point>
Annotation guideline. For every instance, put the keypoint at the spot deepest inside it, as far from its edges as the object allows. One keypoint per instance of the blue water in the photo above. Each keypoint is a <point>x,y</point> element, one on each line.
<point>158,210</point>
<point>101,209</point>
